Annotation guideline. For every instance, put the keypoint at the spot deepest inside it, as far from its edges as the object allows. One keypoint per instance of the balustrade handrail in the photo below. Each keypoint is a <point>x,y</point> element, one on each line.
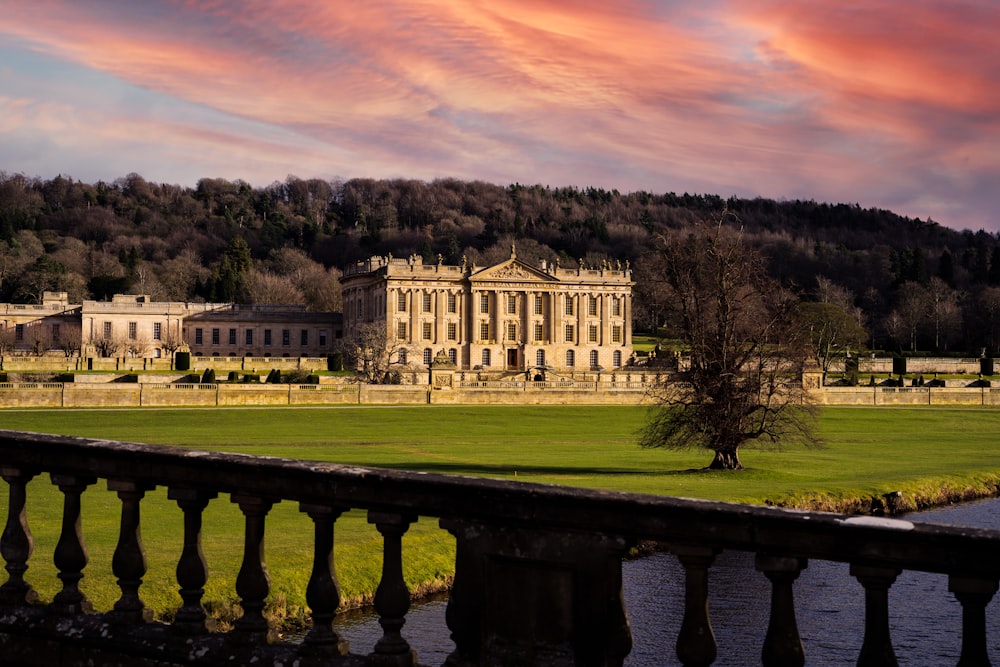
<point>876,548</point>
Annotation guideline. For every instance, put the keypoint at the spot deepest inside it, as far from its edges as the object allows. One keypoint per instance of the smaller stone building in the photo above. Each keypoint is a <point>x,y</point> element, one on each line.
<point>261,331</point>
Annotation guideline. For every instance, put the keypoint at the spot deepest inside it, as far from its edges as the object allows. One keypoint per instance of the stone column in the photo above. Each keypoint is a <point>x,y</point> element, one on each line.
<point>413,334</point>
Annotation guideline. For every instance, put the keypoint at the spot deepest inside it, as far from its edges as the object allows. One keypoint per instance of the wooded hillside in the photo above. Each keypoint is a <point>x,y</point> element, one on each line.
<point>910,283</point>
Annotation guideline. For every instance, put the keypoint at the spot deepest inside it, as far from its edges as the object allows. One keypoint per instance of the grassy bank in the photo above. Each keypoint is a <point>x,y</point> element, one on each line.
<point>931,455</point>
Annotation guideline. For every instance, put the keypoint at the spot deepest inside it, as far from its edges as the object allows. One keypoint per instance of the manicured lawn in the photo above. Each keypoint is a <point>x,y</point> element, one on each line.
<point>868,452</point>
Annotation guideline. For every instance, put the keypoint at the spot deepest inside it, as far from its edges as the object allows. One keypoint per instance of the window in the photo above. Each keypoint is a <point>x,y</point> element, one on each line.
<point>402,356</point>
<point>249,337</point>
<point>511,331</point>
<point>486,358</point>
<point>157,331</point>
<point>592,333</point>
<point>304,337</point>
<point>322,338</point>
<point>616,306</point>
<point>453,356</point>
<point>360,307</point>
<point>538,304</point>
<point>452,303</point>
<point>593,358</point>
<point>569,333</point>
<point>55,333</point>
<point>616,359</point>
<point>232,336</point>
<point>616,334</point>
<point>452,331</point>
<point>484,331</point>
<point>511,303</point>
<point>267,336</point>
<point>426,330</point>
<point>132,330</point>
<point>427,356</point>
<point>215,336</point>
<point>427,302</point>
<point>570,358</point>
<point>401,302</point>
<point>19,331</point>
<point>197,336</point>
<point>286,337</point>
<point>107,330</point>
<point>484,303</point>
<point>569,305</point>
<point>540,357</point>
<point>592,306</point>
<point>401,330</point>
<point>538,332</point>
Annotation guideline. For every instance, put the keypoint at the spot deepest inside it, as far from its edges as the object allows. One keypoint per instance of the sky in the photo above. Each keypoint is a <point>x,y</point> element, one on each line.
<point>892,104</point>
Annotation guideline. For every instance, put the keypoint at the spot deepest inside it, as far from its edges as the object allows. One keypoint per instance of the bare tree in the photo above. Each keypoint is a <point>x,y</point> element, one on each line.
<point>136,347</point>
<point>832,332</point>
<point>69,339</point>
<point>108,346</point>
<point>7,340</point>
<point>39,338</point>
<point>373,353</point>
<point>743,382</point>
<point>171,342</point>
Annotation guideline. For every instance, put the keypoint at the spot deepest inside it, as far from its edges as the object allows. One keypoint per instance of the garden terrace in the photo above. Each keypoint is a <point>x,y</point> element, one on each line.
<point>537,568</point>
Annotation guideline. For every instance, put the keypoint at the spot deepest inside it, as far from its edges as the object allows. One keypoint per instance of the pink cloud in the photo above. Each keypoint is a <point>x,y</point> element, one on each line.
<point>774,98</point>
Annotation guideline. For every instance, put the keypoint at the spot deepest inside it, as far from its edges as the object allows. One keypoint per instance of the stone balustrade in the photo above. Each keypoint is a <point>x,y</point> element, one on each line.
<point>537,568</point>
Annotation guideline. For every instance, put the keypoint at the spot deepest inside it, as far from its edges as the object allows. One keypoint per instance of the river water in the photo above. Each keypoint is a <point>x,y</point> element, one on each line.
<point>829,604</point>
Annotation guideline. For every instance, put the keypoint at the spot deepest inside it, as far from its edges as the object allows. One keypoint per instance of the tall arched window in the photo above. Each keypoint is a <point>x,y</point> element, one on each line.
<point>453,356</point>
<point>486,358</point>
<point>593,358</point>
<point>616,359</point>
<point>427,356</point>
<point>540,358</point>
<point>570,358</point>
<point>402,356</point>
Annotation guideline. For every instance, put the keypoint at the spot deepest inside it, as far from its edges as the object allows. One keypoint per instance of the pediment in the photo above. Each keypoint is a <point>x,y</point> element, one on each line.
<point>512,270</point>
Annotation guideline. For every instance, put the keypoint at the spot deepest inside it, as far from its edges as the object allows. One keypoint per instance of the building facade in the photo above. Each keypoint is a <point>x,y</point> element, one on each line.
<point>132,325</point>
<point>262,330</point>
<point>508,317</point>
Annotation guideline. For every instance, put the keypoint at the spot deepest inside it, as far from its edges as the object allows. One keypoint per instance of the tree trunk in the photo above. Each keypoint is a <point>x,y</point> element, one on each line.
<point>726,460</point>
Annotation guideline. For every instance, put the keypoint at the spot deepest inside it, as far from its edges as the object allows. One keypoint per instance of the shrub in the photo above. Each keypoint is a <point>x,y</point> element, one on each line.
<point>182,361</point>
<point>233,376</point>
<point>335,362</point>
<point>208,377</point>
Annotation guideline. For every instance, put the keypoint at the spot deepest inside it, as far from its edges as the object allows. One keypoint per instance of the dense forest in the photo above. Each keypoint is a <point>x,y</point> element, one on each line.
<point>913,285</point>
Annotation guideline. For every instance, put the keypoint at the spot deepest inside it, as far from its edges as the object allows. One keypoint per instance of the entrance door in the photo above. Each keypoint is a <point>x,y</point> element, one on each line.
<point>512,358</point>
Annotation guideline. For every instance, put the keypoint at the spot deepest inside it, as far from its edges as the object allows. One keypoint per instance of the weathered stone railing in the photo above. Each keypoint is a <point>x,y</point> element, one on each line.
<point>537,568</point>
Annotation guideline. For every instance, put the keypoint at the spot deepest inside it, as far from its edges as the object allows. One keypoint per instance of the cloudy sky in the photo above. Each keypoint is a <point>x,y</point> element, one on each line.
<point>894,103</point>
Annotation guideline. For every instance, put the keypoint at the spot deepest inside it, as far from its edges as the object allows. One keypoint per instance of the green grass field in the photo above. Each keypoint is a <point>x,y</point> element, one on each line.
<point>930,454</point>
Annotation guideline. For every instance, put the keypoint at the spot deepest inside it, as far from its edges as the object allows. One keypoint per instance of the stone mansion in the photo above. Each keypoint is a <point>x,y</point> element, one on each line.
<point>507,317</point>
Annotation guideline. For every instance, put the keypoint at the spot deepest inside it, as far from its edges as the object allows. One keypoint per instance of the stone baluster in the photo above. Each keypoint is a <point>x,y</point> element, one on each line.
<point>70,555</point>
<point>463,612</point>
<point>392,598</point>
<point>17,544</point>
<point>696,642</point>
<point>876,649</point>
<point>782,645</point>
<point>129,560</point>
<point>192,572</point>
<point>253,583</point>
<point>974,594</point>
<point>323,590</point>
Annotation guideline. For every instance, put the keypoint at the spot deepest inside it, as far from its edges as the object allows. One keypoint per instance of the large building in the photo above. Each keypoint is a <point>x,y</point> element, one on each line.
<point>508,317</point>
